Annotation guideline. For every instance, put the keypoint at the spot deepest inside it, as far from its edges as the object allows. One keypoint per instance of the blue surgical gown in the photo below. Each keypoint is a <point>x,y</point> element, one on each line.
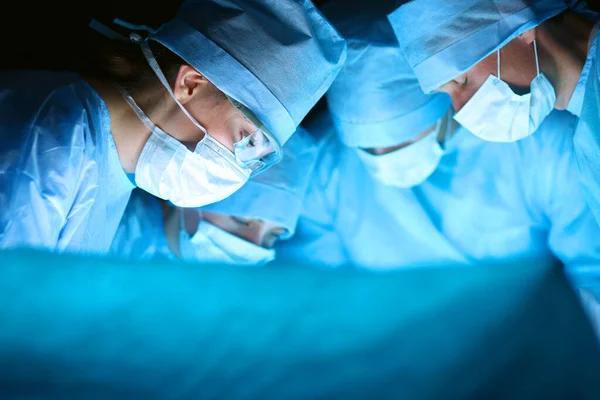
<point>141,232</point>
<point>486,203</point>
<point>62,186</point>
<point>585,103</point>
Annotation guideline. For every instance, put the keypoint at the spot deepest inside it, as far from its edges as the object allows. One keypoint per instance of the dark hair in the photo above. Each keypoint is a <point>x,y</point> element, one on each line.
<point>122,63</point>
<point>558,18</point>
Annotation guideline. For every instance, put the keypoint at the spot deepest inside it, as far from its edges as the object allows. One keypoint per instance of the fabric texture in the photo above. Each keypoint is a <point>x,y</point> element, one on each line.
<point>62,186</point>
<point>587,135</point>
<point>82,328</point>
<point>486,202</point>
<point>141,232</point>
<point>376,100</point>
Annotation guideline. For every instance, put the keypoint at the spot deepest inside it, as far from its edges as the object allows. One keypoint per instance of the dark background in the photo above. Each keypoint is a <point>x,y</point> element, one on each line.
<point>50,34</point>
<point>47,34</point>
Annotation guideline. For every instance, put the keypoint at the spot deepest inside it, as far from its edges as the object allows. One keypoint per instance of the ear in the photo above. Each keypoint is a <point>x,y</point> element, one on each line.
<point>528,36</point>
<point>188,83</point>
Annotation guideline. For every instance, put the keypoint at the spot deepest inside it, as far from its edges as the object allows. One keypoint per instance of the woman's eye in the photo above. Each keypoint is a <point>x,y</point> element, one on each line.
<point>277,234</point>
<point>240,221</point>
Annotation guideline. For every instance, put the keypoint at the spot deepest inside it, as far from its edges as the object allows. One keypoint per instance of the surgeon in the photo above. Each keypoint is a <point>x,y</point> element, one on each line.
<point>240,230</point>
<point>400,184</point>
<point>187,113</point>
<point>508,64</point>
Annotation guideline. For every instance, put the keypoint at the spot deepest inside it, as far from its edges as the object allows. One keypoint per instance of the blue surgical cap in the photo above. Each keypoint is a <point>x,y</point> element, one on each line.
<point>376,100</point>
<point>443,39</point>
<point>276,57</point>
<point>277,194</point>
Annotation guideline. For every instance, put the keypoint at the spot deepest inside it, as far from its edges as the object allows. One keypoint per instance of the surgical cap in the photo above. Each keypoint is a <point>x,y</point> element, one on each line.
<point>276,57</point>
<point>443,39</point>
<point>277,194</point>
<point>376,100</point>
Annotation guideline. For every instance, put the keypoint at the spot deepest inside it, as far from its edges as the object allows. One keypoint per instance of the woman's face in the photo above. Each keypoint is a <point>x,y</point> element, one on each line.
<point>517,68</point>
<point>209,107</point>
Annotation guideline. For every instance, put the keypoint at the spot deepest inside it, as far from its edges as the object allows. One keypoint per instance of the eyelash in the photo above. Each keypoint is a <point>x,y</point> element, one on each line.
<point>274,235</point>
<point>240,222</point>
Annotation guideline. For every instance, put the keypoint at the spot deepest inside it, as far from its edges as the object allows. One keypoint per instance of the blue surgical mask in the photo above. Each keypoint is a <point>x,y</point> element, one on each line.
<point>214,245</point>
<point>408,166</point>
<point>496,114</point>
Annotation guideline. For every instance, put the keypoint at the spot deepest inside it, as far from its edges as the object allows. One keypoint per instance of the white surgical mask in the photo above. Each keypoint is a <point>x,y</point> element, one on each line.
<point>212,244</point>
<point>408,166</point>
<point>496,114</point>
<point>168,170</point>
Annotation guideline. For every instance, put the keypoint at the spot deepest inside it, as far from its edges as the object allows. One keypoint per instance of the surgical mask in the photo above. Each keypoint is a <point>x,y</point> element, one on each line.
<point>496,114</point>
<point>408,166</point>
<point>212,244</point>
<point>168,170</point>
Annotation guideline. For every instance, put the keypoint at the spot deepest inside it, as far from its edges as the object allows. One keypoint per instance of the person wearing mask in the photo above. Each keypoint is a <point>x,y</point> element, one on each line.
<point>400,184</point>
<point>507,65</point>
<point>240,230</point>
<point>188,113</point>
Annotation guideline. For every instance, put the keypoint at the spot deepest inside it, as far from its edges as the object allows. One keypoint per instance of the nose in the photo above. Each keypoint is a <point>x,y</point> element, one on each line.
<point>458,94</point>
<point>459,98</point>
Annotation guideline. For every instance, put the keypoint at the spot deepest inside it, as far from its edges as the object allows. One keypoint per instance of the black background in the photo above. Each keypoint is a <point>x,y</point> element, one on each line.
<point>47,35</point>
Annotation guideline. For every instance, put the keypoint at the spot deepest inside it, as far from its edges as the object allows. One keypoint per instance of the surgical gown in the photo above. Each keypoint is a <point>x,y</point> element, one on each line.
<point>62,186</point>
<point>486,203</point>
<point>585,103</point>
<point>141,233</point>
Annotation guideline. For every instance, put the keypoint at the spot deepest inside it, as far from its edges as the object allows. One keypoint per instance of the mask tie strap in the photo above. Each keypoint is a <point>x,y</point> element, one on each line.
<point>499,64</point>
<point>133,27</point>
<point>442,124</point>
<point>106,31</point>
<point>112,34</point>
<point>537,61</point>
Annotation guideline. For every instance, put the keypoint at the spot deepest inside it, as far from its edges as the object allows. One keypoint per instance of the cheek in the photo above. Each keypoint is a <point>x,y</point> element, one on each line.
<point>462,96</point>
<point>465,93</point>
<point>251,235</point>
<point>223,136</point>
<point>486,67</point>
<point>226,124</point>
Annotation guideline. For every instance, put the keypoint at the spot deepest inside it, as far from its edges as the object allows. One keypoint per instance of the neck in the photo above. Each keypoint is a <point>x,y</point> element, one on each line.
<point>129,133</point>
<point>563,46</point>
